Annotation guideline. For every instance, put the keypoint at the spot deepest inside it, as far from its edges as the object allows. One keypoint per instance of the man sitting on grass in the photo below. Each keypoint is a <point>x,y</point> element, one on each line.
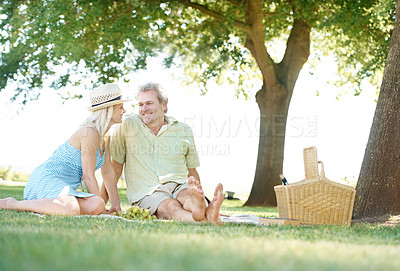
<point>160,161</point>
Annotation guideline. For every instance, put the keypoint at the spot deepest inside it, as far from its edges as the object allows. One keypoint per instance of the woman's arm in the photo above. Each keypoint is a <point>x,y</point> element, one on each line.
<point>89,141</point>
<point>111,172</point>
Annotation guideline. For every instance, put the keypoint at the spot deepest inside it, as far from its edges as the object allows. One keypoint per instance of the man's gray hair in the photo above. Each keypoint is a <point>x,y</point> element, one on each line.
<point>161,96</point>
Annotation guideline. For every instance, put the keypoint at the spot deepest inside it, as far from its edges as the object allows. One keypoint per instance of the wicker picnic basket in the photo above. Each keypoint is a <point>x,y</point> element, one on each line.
<point>315,200</point>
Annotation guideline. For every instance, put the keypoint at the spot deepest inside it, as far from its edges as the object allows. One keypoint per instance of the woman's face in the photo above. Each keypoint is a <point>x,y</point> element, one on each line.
<point>118,112</point>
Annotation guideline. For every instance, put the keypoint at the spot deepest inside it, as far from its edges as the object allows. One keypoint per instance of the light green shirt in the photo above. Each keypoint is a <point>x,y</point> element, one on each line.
<point>151,160</point>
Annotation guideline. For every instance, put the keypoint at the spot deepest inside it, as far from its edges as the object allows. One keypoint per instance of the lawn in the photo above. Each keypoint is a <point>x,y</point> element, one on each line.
<point>31,242</point>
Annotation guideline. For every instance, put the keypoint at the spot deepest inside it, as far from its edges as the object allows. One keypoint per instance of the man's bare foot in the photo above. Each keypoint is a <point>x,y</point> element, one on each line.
<point>212,211</point>
<point>5,203</point>
<point>196,195</point>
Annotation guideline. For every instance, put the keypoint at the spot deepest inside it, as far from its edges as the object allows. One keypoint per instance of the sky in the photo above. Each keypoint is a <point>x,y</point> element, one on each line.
<point>225,128</point>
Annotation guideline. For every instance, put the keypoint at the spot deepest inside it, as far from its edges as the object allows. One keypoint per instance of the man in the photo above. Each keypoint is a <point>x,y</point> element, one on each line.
<point>160,160</point>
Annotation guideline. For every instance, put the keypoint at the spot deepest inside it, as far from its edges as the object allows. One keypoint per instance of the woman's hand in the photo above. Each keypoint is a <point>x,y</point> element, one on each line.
<point>114,209</point>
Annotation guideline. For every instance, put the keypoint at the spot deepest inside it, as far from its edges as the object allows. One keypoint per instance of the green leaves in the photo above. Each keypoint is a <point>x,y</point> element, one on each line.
<point>103,41</point>
<point>40,36</point>
<point>358,33</point>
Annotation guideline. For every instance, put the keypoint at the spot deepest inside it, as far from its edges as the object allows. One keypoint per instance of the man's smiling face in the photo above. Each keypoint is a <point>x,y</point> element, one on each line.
<point>150,110</point>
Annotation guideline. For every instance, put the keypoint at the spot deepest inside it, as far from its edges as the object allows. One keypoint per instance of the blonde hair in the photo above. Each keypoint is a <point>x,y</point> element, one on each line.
<point>99,119</point>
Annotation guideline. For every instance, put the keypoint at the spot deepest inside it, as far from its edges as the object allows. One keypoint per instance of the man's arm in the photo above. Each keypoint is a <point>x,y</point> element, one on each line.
<point>111,172</point>
<point>109,189</point>
<point>193,172</point>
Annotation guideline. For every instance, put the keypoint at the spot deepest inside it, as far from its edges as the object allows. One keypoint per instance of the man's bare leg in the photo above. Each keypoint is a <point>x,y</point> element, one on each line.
<point>212,211</point>
<point>193,200</point>
<point>172,209</point>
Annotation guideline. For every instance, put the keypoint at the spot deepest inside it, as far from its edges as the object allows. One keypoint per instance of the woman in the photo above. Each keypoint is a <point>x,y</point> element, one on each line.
<point>52,187</point>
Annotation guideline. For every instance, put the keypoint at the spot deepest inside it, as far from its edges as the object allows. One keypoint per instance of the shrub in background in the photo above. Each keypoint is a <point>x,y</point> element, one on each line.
<point>15,176</point>
<point>4,172</point>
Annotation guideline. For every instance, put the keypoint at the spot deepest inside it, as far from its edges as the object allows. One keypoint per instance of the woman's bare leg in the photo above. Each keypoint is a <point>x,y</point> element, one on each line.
<point>92,205</point>
<point>64,205</point>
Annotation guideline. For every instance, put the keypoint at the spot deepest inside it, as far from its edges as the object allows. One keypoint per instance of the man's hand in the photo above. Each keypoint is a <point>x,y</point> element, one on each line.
<point>193,172</point>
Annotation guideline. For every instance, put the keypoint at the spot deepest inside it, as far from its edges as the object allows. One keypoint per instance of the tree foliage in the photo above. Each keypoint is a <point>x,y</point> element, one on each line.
<point>40,38</point>
<point>69,41</point>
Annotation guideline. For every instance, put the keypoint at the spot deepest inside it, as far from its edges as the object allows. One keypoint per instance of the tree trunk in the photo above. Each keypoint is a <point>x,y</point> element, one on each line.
<point>378,187</point>
<point>273,116</point>
<point>273,100</point>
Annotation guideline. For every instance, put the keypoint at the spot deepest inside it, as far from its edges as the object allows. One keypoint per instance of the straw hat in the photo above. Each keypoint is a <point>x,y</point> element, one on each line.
<point>105,96</point>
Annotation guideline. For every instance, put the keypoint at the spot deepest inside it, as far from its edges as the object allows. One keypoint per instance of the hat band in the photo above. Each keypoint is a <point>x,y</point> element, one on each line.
<point>115,99</point>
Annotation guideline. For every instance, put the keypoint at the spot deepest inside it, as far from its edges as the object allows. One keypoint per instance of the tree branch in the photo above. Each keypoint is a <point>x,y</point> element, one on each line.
<point>236,3</point>
<point>216,15</point>
<point>268,14</point>
<point>297,52</point>
<point>256,43</point>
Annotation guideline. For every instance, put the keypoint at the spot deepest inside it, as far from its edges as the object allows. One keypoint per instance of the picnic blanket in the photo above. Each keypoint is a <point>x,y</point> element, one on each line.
<point>237,219</point>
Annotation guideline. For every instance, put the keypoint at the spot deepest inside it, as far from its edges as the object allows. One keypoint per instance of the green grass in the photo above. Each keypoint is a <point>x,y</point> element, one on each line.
<point>31,242</point>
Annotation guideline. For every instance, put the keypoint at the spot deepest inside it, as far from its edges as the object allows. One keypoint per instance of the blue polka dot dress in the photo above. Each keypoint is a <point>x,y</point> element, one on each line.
<point>60,175</point>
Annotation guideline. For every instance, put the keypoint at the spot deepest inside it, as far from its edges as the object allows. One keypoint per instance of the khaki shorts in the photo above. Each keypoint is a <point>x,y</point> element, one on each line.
<point>163,192</point>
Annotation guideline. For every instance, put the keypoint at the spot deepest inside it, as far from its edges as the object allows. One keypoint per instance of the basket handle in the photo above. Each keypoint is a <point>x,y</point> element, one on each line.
<point>322,172</point>
<point>310,163</point>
